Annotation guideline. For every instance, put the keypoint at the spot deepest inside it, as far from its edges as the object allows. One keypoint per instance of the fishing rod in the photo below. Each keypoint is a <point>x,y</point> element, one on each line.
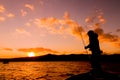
<point>83,42</point>
<point>84,46</point>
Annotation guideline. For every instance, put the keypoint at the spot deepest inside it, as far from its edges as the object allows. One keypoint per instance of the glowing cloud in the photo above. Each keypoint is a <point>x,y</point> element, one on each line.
<point>28,24</point>
<point>116,44</point>
<point>89,19</point>
<point>96,21</point>
<point>118,30</point>
<point>98,18</point>
<point>70,26</point>
<point>101,19</point>
<point>23,13</point>
<point>110,37</point>
<point>2,9</point>
<point>66,15</point>
<point>77,30</point>
<point>55,25</point>
<point>29,6</point>
<point>10,15</point>
<point>7,49</point>
<point>2,18</point>
<point>37,50</point>
<point>22,31</point>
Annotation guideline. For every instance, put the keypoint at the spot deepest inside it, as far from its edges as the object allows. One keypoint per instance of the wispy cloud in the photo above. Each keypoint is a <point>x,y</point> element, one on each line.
<point>5,14</point>
<point>96,22</point>
<point>7,49</point>
<point>98,17</point>
<point>37,50</point>
<point>101,19</point>
<point>89,19</point>
<point>23,12</point>
<point>118,30</point>
<point>2,9</point>
<point>55,25</point>
<point>72,27</point>
<point>109,37</point>
<point>10,15</point>
<point>66,15</point>
<point>29,6</point>
<point>28,24</point>
<point>22,32</point>
<point>116,44</point>
<point>2,18</point>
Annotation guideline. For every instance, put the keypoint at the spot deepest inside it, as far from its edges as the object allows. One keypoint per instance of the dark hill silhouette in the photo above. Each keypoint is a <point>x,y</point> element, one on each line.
<point>71,57</point>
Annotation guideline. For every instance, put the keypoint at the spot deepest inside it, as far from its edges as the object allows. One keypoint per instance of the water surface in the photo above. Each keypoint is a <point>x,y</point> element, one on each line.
<point>43,70</point>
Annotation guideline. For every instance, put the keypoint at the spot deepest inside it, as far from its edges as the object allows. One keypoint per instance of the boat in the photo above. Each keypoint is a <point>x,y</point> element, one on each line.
<point>5,61</point>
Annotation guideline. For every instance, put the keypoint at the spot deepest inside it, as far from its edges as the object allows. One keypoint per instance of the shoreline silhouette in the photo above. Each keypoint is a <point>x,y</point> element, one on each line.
<point>71,57</point>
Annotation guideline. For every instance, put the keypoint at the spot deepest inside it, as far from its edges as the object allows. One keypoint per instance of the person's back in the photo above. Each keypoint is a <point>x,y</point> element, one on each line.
<point>95,49</point>
<point>94,43</point>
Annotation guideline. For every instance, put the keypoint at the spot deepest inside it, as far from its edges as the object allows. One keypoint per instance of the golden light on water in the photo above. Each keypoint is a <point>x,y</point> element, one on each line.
<point>31,54</point>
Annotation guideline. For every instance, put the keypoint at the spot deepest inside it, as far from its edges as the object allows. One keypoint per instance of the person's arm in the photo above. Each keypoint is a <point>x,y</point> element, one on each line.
<point>88,46</point>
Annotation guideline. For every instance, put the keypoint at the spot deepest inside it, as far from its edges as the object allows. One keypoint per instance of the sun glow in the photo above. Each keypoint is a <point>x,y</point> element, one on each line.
<point>31,54</point>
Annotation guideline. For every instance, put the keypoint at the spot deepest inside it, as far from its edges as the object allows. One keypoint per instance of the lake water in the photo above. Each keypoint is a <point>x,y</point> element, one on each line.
<point>43,70</point>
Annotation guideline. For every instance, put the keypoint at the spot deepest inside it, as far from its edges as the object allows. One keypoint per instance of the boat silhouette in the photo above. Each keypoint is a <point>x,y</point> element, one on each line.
<point>5,61</point>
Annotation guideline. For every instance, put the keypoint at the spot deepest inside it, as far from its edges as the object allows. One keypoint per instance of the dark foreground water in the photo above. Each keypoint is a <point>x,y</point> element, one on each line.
<point>48,70</point>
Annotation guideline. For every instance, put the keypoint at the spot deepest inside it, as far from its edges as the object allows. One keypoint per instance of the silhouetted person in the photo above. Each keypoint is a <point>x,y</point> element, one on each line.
<point>95,49</point>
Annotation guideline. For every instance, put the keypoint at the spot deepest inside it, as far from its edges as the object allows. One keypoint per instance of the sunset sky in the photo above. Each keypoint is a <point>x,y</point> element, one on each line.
<point>54,26</point>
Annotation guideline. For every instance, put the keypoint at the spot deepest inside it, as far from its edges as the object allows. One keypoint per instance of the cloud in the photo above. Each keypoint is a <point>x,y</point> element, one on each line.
<point>106,36</point>
<point>77,30</point>
<point>59,26</point>
<point>101,19</point>
<point>112,40</point>
<point>2,18</point>
<point>68,25</point>
<point>96,21</point>
<point>22,31</point>
<point>7,49</point>
<point>116,44</point>
<point>50,24</point>
<point>10,15</point>
<point>28,24</point>
<point>46,21</point>
<point>110,37</point>
<point>2,9</point>
<point>89,19</point>
<point>23,12</point>
<point>29,6</point>
<point>98,17</point>
<point>66,15</point>
<point>37,50</point>
<point>99,31</point>
<point>5,14</point>
<point>118,30</point>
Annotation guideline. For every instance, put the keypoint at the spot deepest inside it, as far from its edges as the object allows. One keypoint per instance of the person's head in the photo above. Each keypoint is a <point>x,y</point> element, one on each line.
<point>90,33</point>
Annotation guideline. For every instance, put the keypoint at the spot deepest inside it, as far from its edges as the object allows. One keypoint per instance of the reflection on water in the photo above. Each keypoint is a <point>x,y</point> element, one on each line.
<point>41,70</point>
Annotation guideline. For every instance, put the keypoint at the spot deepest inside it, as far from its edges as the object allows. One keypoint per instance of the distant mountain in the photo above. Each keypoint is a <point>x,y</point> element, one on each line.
<point>71,57</point>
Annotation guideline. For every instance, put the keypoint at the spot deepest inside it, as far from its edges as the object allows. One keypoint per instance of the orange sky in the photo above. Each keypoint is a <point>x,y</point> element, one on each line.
<point>54,26</point>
